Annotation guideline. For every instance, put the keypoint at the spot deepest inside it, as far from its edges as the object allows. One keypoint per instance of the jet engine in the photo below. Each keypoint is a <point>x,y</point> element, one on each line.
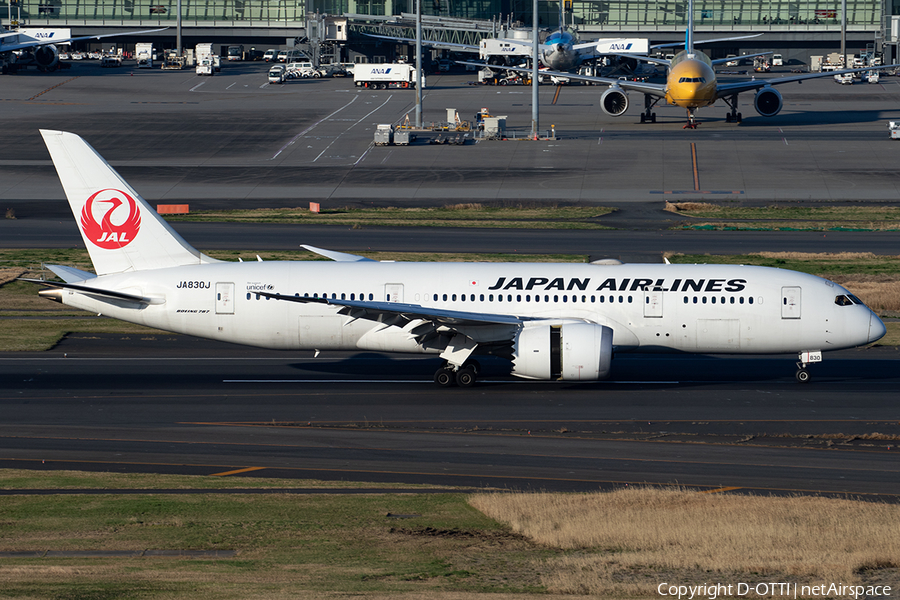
<point>571,351</point>
<point>614,101</point>
<point>768,102</point>
<point>46,57</point>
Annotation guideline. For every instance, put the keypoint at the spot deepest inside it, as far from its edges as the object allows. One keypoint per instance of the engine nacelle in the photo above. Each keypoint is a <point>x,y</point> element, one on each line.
<point>571,351</point>
<point>768,102</point>
<point>614,101</point>
<point>47,56</point>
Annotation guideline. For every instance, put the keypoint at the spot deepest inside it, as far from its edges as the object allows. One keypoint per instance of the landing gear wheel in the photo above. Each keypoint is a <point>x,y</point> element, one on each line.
<point>728,118</point>
<point>643,118</point>
<point>653,118</point>
<point>803,376</point>
<point>444,377</point>
<point>465,377</point>
<point>739,117</point>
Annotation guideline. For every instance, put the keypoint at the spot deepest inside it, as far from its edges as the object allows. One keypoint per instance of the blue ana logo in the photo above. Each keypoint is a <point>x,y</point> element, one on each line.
<point>381,71</point>
<point>620,46</point>
<point>44,34</point>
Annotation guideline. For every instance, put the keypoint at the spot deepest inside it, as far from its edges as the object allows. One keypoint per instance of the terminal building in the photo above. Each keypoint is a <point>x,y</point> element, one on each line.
<point>795,28</point>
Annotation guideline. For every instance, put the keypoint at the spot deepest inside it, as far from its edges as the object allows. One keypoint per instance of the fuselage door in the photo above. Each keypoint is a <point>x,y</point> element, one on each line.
<point>790,302</point>
<point>393,292</point>
<point>653,304</point>
<point>224,298</point>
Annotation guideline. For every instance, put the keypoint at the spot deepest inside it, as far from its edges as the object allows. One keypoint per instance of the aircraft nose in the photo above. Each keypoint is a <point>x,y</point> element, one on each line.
<point>876,328</point>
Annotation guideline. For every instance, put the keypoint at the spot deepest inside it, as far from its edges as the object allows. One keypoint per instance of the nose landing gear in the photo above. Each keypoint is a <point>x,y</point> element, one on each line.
<point>692,121</point>
<point>805,358</point>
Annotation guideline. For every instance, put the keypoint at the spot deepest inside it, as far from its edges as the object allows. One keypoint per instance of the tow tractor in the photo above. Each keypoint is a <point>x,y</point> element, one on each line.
<point>894,128</point>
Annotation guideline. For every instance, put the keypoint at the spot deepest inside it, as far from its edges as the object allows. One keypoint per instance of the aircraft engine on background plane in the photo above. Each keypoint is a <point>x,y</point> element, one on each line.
<point>570,351</point>
<point>768,102</point>
<point>614,101</point>
<point>46,57</point>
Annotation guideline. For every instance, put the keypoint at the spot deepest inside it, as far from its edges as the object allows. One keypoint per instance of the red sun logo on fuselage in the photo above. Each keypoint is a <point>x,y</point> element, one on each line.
<point>107,233</point>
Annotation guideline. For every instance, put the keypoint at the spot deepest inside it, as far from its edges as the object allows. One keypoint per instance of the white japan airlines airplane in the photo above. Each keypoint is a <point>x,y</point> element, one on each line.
<point>553,321</point>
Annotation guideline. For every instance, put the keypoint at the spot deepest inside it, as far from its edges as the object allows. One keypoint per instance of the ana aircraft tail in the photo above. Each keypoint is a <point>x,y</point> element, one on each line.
<point>121,231</point>
<point>689,32</point>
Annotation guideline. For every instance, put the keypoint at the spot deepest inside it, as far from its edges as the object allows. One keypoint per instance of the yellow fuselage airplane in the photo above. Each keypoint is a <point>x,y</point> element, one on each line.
<point>691,83</point>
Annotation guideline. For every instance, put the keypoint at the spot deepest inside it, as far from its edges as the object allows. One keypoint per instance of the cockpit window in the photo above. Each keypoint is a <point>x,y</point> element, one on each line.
<point>692,80</point>
<point>847,300</point>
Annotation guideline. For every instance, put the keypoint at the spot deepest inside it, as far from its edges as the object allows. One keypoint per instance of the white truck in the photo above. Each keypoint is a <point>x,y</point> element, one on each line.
<point>385,75</point>
<point>143,54</point>
<point>204,56</point>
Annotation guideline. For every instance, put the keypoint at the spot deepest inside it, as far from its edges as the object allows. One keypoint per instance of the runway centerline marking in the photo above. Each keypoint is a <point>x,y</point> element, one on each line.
<point>236,471</point>
<point>696,170</point>
<point>718,490</point>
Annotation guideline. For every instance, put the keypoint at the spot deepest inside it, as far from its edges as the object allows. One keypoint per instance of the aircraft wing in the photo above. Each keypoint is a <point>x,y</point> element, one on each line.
<point>712,41</point>
<point>648,59</point>
<point>726,89</point>
<point>377,311</point>
<point>722,61</point>
<point>429,43</point>
<point>69,40</point>
<point>653,89</point>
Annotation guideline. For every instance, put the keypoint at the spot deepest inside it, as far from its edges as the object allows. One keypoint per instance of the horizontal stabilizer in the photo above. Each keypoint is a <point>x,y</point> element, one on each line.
<point>70,274</point>
<point>96,292</point>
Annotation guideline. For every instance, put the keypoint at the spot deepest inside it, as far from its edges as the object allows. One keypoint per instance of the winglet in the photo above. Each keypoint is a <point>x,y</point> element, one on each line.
<point>337,256</point>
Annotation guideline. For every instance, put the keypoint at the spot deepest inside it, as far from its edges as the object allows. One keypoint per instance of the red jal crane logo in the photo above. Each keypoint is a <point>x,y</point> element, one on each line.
<point>107,233</point>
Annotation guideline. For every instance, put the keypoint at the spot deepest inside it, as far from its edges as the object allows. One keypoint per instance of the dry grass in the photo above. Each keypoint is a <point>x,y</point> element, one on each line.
<point>7,275</point>
<point>880,292</point>
<point>628,540</point>
<point>691,206</point>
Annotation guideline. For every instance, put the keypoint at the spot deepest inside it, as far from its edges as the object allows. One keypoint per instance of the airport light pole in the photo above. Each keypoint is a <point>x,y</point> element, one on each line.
<point>178,29</point>
<point>534,72</point>
<point>418,64</point>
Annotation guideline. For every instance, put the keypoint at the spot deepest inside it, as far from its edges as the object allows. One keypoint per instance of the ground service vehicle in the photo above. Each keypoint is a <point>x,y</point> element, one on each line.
<point>269,55</point>
<point>276,74</point>
<point>235,53</point>
<point>204,56</point>
<point>143,54</point>
<point>386,75</point>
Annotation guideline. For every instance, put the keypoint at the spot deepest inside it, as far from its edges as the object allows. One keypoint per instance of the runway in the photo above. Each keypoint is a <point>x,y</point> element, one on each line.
<point>174,404</point>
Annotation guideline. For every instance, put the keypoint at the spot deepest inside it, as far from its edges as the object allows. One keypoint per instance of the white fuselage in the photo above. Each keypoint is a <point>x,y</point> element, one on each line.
<point>689,308</point>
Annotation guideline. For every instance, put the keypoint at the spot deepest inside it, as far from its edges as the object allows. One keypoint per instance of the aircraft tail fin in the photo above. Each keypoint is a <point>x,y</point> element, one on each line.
<point>689,32</point>
<point>120,230</point>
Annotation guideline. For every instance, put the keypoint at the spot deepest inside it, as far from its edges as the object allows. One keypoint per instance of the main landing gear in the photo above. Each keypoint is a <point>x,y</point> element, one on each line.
<point>464,376</point>
<point>648,116</point>
<point>734,116</point>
